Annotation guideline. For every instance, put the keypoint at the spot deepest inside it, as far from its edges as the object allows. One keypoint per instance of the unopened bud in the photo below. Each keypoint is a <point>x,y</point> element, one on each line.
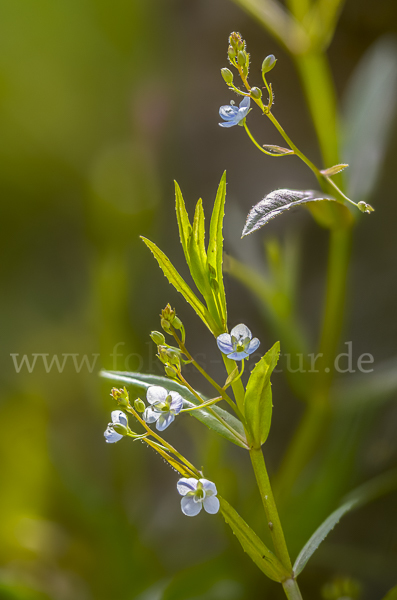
<point>268,63</point>
<point>121,396</point>
<point>170,372</point>
<point>365,208</point>
<point>139,405</point>
<point>227,75</point>
<point>231,53</point>
<point>235,40</point>
<point>120,428</point>
<point>177,323</point>
<point>256,93</point>
<point>242,58</point>
<point>157,338</point>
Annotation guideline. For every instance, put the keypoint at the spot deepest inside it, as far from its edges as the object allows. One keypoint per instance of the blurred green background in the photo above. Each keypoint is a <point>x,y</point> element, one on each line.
<point>102,105</point>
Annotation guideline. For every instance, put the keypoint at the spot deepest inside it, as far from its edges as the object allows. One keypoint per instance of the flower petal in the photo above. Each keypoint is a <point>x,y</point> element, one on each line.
<point>164,421</point>
<point>228,112</point>
<point>208,487</point>
<point>241,331</point>
<point>156,393</point>
<point>186,485</point>
<point>228,123</point>
<point>238,355</point>
<point>176,402</point>
<point>211,504</point>
<point>224,342</point>
<point>119,417</point>
<point>150,415</point>
<point>253,345</point>
<point>189,507</point>
<point>111,435</point>
<point>245,103</point>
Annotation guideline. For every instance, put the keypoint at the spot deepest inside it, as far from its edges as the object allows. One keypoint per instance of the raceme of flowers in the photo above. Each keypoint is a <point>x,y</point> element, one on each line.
<point>238,344</point>
<point>198,493</point>
<point>233,115</point>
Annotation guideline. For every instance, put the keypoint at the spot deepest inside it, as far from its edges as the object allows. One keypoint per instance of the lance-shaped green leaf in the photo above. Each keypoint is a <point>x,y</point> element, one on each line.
<point>198,255</point>
<point>185,229</point>
<point>179,284</point>
<point>258,396</point>
<point>279,201</point>
<point>215,246</point>
<point>253,545</point>
<point>391,594</point>
<point>224,427</point>
<point>365,493</point>
<point>333,170</point>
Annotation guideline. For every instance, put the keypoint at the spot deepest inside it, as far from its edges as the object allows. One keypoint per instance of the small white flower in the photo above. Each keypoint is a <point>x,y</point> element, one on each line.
<point>196,494</point>
<point>117,428</point>
<point>238,344</point>
<point>164,406</point>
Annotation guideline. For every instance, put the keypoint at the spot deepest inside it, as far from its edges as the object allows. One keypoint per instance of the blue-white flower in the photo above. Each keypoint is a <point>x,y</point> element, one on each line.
<point>233,115</point>
<point>164,406</point>
<point>196,494</point>
<point>238,344</point>
<point>117,428</point>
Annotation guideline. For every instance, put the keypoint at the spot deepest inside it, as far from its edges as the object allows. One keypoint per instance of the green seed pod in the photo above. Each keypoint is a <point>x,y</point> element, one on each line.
<point>139,405</point>
<point>227,75</point>
<point>256,93</point>
<point>269,63</point>
<point>157,338</point>
<point>120,429</point>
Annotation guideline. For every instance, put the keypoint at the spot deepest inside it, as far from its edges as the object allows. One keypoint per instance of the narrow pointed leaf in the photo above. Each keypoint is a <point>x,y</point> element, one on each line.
<point>198,255</point>
<point>279,201</point>
<point>253,545</point>
<point>258,396</point>
<point>179,284</point>
<point>277,149</point>
<point>334,170</point>
<point>215,245</point>
<point>185,229</point>
<point>141,381</point>
<point>366,493</point>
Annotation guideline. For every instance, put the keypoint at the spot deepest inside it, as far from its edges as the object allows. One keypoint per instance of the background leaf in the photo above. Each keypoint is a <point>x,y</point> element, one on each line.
<point>141,382</point>
<point>392,594</point>
<point>258,397</point>
<point>368,115</point>
<point>252,544</point>
<point>362,495</point>
<point>279,201</point>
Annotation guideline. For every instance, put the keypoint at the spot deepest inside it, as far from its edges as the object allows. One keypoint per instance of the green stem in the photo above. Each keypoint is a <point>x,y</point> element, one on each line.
<point>274,524</point>
<point>251,137</point>
<point>292,590</point>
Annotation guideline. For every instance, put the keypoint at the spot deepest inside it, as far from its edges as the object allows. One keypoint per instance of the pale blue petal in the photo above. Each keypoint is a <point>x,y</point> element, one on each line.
<point>228,112</point>
<point>119,417</point>
<point>228,124</point>
<point>186,485</point>
<point>245,103</point>
<point>211,504</point>
<point>224,342</point>
<point>254,345</point>
<point>241,331</point>
<point>176,403</point>
<point>238,355</point>
<point>150,415</point>
<point>208,487</point>
<point>112,436</point>
<point>156,393</point>
<point>189,507</point>
<point>164,421</point>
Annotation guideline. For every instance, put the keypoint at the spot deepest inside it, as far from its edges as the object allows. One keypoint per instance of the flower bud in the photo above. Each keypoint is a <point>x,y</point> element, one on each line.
<point>157,338</point>
<point>170,372</point>
<point>139,405</point>
<point>177,323</point>
<point>242,58</point>
<point>231,53</point>
<point>365,208</point>
<point>235,40</point>
<point>268,63</point>
<point>256,93</point>
<point>121,396</point>
<point>227,75</point>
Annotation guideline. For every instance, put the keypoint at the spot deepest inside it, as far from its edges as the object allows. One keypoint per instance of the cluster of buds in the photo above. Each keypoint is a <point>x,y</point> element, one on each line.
<point>121,396</point>
<point>169,320</point>
<point>170,356</point>
<point>238,54</point>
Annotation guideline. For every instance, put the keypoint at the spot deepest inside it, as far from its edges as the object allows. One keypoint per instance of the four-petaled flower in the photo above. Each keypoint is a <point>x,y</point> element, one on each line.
<point>117,428</point>
<point>233,115</point>
<point>196,494</point>
<point>238,344</point>
<point>164,406</point>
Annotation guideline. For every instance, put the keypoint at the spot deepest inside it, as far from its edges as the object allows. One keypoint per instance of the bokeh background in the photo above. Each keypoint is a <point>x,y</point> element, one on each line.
<point>102,105</point>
